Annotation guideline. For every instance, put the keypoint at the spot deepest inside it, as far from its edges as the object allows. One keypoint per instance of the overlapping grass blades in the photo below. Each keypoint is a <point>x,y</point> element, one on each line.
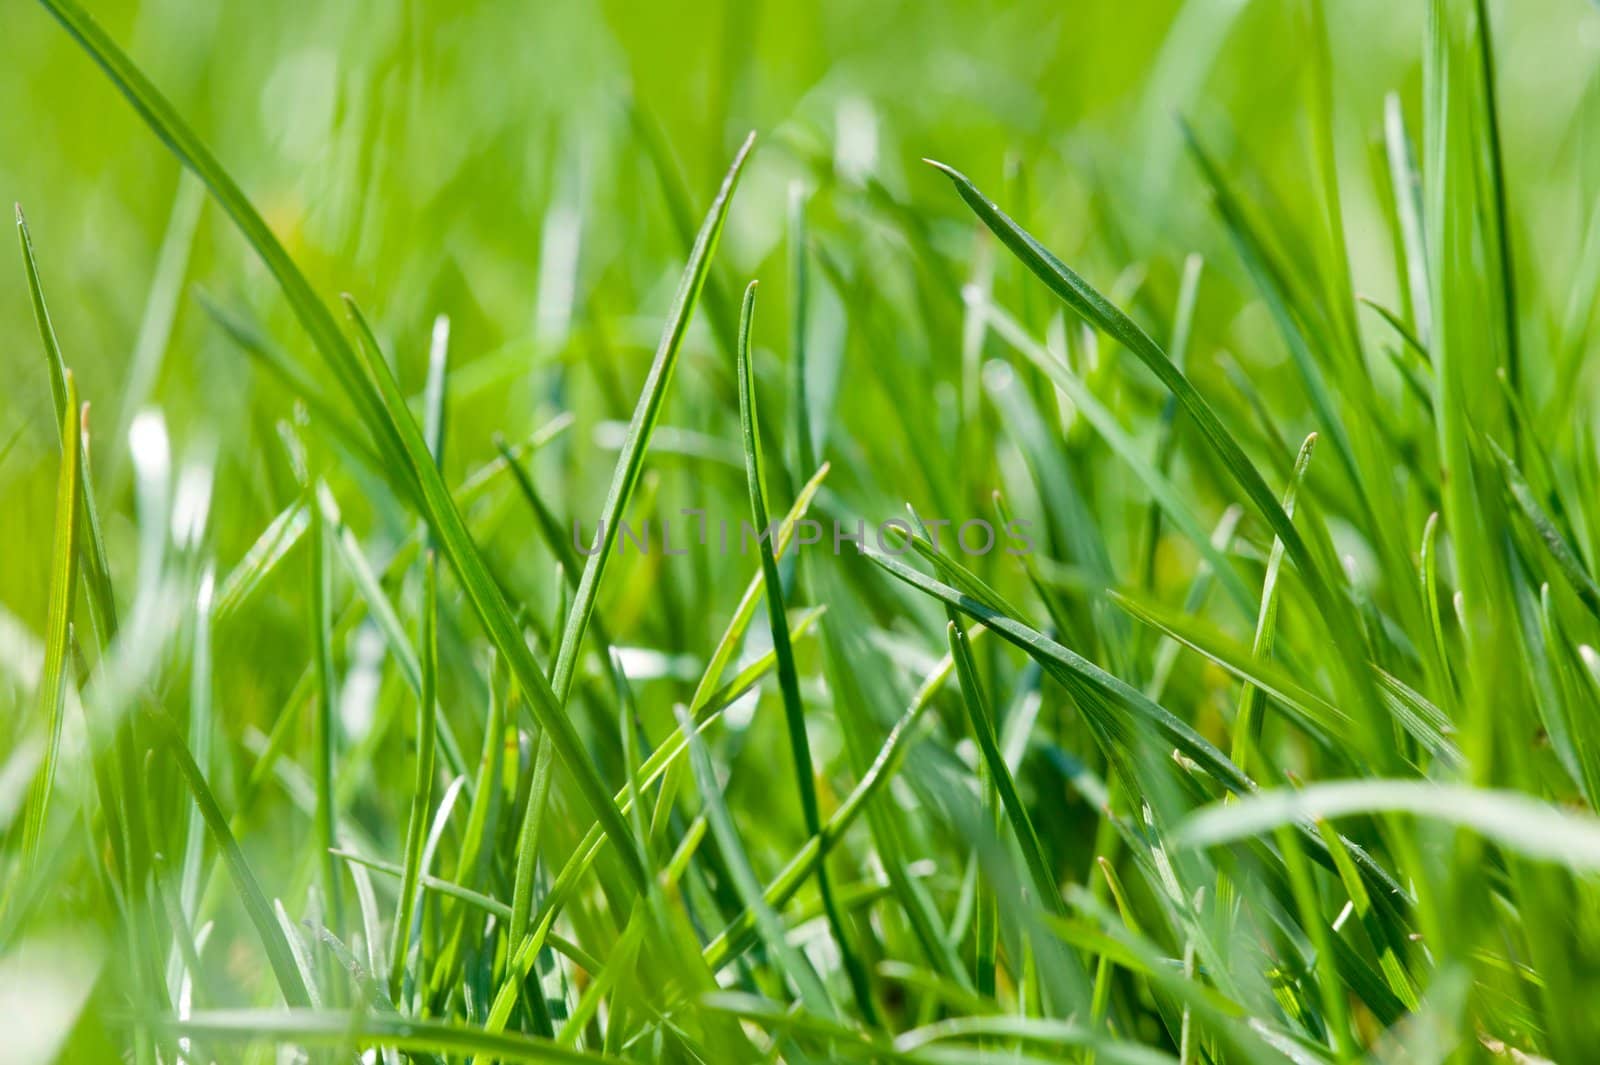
<point>1297,760</point>
<point>371,387</point>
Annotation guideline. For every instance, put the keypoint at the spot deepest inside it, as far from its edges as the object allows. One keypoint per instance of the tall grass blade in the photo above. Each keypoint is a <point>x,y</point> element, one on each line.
<point>422,789</point>
<point>630,460</point>
<point>53,680</point>
<point>788,677</point>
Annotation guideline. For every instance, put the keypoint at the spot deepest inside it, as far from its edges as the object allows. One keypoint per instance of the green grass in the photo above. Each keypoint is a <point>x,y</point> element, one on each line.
<point>348,717</point>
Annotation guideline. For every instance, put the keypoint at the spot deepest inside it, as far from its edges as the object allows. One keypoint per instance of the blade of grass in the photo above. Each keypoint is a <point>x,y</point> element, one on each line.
<point>339,1029</point>
<point>982,725</point>
<point>201,730</point>
<point>1161,489</point>
<point>160,311</point>
<point>422,790</point>
<point>1517,822</point>
<point>269,549</point>
<point>279,954</point>
<point>325,715</point>
<point>793,965</point>
<point>734,938</point>
<point>1407,191</point>
<point>97,571</point>
<point>799,295</point>
<point>1389,953</point>
<point>1100,691</point>
<point>1098,311</point>
<point>433,393</point>
<point>324,412</point>
<point>1250,717</point>
<point>1329,987</point>
<point>630,460</point>
<point>490,603</point>
<point>788,677</point>
<point>1561,553</point>
<point>470,855</point>
<point>52,690</point>
<point>583,858</point>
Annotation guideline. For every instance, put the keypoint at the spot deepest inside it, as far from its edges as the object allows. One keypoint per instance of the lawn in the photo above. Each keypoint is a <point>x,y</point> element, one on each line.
<point>927,533</point>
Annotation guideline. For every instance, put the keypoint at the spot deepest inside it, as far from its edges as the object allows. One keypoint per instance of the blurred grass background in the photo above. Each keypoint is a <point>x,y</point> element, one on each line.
<point>480,162</point>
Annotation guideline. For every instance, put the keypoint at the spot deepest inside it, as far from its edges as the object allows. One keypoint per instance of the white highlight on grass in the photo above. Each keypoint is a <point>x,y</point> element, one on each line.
<point>558,276</point>
<point>1515,821</point>
<point>191,505</point>
<point>855,153</point>
<point>43,985</point>
<point>147,442</point>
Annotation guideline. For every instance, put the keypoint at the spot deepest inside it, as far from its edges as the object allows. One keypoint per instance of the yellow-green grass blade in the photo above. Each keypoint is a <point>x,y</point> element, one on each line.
<point>630,460</point>
<point>97,571</point>
<point>1250,716</point>
<point>53,680</point>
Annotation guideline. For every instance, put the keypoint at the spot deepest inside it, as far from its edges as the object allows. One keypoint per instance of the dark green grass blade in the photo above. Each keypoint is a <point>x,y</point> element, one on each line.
<point>279,954</point>
<point>1081,675</point>
<point>1390,955</point>
<point>978,717</point>
<point>325,714</point>
<point>1053,655</point>
<point>1567,562</point>
<point>1498,224</point>
<point>890,757</point>
<point>788,676</point>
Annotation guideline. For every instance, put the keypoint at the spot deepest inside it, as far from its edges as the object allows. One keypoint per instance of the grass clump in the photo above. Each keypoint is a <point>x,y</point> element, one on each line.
<point>341,736</point>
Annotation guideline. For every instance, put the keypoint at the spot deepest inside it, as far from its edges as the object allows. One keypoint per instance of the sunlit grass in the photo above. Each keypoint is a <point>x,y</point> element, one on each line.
<point>357,718</point>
